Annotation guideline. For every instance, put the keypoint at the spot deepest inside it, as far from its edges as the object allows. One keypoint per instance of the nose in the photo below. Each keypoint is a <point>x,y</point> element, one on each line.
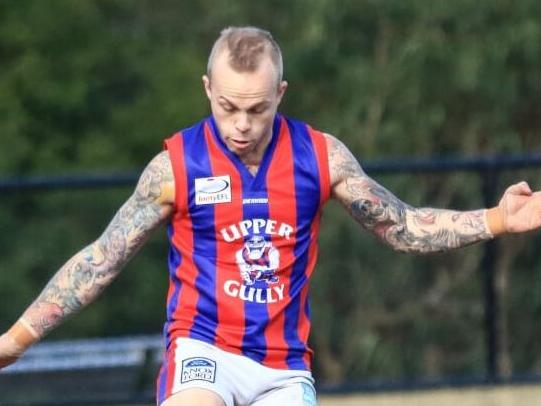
<point>243,123</point>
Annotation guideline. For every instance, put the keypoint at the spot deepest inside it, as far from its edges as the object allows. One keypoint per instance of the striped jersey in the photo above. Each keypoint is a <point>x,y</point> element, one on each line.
<point>243,246</point>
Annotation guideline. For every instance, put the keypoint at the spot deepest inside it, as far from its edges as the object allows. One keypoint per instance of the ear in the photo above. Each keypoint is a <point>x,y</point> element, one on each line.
<point>206,85</point>
<point>282,87</point>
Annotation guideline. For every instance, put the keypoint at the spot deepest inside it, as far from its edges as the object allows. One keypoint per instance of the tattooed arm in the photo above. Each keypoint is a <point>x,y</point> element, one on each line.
<point>92,269</point>
<point>424,230</point>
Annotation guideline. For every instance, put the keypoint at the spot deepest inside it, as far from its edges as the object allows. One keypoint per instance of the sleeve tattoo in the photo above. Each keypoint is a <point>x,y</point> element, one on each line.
<point>93,268</point>
<point>403,227</point>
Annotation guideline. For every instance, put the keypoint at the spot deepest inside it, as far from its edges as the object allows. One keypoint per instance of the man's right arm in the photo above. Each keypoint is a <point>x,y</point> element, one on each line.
<point>88,272</point>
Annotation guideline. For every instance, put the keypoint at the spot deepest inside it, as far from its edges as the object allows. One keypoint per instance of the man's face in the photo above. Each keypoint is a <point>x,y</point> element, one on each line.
<point>244,105</point>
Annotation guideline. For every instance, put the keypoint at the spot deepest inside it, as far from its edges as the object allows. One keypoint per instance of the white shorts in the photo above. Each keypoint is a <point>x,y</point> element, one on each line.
<point>238,380</point>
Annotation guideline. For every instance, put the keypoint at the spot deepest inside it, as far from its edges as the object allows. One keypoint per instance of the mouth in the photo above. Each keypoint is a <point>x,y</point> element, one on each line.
<point>241,144</point>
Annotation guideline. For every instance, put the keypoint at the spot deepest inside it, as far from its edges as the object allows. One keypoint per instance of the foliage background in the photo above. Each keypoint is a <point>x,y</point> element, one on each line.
<point>95,86</point>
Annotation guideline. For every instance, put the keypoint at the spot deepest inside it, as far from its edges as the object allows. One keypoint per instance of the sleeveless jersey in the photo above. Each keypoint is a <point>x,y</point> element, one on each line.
<point>243,247</point>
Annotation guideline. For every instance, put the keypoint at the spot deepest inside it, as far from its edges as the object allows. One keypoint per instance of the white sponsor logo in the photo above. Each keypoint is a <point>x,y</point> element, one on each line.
<point>261,200</point>
<point>198,369</point>
<point>212,190</point>
<point>251,294</point>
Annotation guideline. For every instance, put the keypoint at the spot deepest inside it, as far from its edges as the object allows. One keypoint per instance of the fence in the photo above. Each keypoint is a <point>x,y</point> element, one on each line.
<point>110,371</point>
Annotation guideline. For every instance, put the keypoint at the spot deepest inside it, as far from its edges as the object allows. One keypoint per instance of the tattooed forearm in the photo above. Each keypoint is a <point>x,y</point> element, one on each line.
<point>410,229</point>
<point>92,269</point>
<point>403,227</point>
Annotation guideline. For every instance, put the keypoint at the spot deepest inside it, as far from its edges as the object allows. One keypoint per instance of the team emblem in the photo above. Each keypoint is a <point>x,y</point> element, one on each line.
<point>258,260</point>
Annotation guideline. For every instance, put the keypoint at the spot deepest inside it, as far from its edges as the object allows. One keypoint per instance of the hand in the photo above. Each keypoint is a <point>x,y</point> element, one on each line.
<point>10,350</point>
<point>520,208</point>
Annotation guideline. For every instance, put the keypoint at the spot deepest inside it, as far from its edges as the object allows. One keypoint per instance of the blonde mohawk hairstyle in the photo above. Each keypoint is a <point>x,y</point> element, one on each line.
<point>247,46</point>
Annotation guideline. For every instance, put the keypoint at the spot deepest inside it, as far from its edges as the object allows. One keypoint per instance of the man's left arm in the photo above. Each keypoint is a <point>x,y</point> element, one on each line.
<point>423,230</point>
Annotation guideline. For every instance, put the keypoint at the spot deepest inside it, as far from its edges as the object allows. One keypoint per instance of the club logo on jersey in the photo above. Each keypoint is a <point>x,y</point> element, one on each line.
<point>198,369</point>
<point>212,190</point>
<point>258,261</point>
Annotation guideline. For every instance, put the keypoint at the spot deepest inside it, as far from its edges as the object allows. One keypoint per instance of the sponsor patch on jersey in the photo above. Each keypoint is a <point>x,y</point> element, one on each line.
<point>213,190</point>
<point>198,369</point>
<point>256,200</point>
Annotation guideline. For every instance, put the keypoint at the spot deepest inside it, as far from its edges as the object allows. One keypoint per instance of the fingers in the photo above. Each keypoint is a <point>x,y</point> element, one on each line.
<point>521,188</point>
<point>4,362</point>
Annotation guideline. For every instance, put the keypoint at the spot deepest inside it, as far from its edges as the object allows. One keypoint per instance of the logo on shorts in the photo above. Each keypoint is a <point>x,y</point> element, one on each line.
<point>198,369</point>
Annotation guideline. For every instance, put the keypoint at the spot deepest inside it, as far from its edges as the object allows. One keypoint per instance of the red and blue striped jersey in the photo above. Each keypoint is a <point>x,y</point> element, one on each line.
<point>243,247</point>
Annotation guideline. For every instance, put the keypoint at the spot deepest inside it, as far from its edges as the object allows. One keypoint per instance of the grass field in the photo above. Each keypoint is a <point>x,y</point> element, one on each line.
<point>516,395</point>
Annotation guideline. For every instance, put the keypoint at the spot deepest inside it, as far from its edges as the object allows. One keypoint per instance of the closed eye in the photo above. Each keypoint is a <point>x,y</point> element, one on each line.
<point>258,109</point>
<point>228,107</point>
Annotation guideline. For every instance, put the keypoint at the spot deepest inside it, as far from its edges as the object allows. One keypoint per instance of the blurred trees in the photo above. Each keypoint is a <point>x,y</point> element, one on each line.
<point>96,85</point>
